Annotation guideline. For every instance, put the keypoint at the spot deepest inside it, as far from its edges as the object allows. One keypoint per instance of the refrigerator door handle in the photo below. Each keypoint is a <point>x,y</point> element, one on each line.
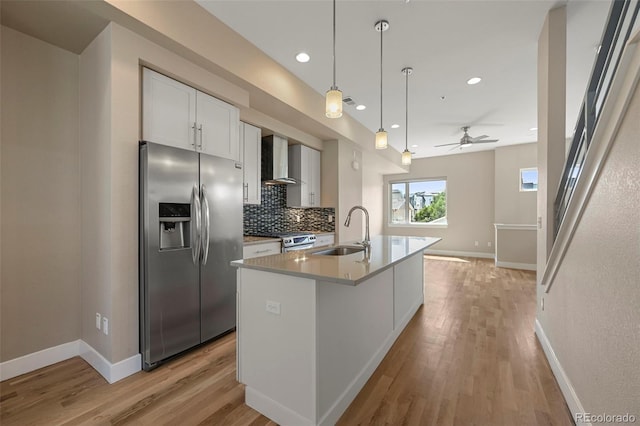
<point>205,223</point>
<point>195,225</point>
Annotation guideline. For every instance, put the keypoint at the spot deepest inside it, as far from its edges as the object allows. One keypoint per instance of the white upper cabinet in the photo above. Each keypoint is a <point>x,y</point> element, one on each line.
<point>181,116</point>
<point>168,111</point>
<point>304,167</point>
<point>250,150</point>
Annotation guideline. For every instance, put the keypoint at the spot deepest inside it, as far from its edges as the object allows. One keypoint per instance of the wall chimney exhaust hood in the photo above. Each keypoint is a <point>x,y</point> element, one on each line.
<point>275,162</point>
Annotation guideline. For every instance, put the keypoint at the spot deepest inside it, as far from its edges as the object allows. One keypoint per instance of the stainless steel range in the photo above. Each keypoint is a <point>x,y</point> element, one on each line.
<point>297,241</point>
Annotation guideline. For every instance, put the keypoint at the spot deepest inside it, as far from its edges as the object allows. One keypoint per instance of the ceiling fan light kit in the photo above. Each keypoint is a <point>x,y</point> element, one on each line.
<point>406,154</point>
<point>381,135</point>
<point>333,102</point>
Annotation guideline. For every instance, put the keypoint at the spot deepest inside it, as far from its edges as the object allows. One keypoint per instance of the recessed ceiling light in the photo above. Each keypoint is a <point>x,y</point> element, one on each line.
<point>414,146</point>
<point>533,129</point>
<point>442,98</point>
<point>474,80</point>
<point>395,126</point>
<point>302,57</point>
<point>361,107</point>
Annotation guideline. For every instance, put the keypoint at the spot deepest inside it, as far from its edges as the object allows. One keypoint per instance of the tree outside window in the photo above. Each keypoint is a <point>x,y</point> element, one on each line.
<point>418,202</point>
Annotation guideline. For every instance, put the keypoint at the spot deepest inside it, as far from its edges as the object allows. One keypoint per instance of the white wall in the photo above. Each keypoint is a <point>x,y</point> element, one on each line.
<point>511,205</point>
<point>470,201</point>
<point>40,291</point>
<point>591,313</point>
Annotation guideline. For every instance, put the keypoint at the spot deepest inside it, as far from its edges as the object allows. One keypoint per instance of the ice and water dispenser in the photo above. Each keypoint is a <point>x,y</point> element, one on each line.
<point>175,222</point>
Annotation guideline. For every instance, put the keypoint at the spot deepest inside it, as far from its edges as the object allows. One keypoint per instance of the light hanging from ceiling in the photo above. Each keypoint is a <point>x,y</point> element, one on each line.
<point>333,106</point>
<point>381,134</point>
<point>406,154</point>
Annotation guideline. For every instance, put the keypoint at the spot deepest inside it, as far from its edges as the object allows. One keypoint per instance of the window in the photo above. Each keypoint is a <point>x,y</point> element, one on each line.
<point>418,202</point>
<point>529,179</point>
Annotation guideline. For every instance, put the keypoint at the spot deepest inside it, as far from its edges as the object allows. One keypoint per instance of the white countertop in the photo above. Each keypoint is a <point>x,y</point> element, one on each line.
<point>351,269</point>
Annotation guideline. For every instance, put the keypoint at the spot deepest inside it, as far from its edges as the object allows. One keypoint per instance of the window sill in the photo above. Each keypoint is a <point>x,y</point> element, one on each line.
<point>418,225</point>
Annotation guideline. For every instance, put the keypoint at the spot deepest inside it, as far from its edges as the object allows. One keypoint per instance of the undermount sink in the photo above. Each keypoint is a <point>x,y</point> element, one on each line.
<point>339,250</point>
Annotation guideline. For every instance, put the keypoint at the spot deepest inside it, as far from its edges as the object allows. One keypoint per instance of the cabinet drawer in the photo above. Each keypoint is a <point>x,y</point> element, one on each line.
<point>257,250</point>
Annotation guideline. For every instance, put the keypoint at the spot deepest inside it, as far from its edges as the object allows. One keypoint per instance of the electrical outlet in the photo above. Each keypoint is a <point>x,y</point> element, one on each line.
<point>489,244</point>
<point>298,218</point>
<point>273,307</point>
<point>330,218</point>
<point>105,325</point>
<point>98,320</point>
<point>476,243</point>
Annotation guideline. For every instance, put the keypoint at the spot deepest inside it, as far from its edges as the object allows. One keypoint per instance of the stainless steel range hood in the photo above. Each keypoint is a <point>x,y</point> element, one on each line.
<point>275,161</point>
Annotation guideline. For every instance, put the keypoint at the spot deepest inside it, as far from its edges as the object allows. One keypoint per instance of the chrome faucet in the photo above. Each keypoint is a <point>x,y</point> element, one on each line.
<point>366,243</point>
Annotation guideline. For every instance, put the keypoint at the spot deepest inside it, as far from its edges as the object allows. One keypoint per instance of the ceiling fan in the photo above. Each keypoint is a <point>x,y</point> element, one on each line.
<point>466,140</point>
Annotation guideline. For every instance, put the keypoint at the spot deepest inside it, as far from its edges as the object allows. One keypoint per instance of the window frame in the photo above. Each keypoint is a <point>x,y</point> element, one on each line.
<point>527,169</point>
<point>407,223</point>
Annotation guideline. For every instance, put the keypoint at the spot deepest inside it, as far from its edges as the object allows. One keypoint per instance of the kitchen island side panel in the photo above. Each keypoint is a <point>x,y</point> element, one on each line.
<point>355,323</point>
<point>408,289</point>
<point>277,351</point>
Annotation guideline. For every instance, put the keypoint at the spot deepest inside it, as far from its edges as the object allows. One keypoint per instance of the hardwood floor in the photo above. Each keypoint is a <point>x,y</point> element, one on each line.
<point>468,357</point>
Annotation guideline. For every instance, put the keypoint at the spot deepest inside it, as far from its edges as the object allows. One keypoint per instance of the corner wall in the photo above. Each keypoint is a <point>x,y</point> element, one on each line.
<point>590,318</point>
<point>40,291</point>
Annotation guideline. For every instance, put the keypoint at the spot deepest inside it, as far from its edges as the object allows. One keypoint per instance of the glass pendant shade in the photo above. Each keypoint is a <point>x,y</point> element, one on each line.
<point>406,157</point>
<point>381,139</point>
<point>334,103</point>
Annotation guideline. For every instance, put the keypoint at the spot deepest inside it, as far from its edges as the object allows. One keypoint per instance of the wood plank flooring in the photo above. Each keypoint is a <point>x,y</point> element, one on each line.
<point>468,357</point>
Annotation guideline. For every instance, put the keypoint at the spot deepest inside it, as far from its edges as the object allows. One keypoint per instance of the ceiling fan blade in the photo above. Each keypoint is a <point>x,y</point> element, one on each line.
<point>487,141</point>
<point>456,147</point>
<point>447,144</point>
<point>479,138</point>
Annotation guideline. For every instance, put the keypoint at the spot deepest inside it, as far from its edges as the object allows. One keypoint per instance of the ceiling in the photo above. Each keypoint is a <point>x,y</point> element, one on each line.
<point>446,42</point>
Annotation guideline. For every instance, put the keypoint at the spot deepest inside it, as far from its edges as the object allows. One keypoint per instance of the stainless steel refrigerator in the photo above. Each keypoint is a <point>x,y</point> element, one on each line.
<point>190,230</point>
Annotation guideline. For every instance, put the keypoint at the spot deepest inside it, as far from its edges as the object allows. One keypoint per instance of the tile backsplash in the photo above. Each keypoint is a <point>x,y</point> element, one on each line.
<point>273,215</point>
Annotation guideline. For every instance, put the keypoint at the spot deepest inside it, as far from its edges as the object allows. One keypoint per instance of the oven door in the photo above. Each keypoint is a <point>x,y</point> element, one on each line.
<point>298,247</point>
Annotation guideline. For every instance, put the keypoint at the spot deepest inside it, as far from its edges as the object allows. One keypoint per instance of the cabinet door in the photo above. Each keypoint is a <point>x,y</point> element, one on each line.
<point>251,157</point>
<point>168,111</point>
<point>314,177</point>
<point>217,127</point>
<point>262,249</point>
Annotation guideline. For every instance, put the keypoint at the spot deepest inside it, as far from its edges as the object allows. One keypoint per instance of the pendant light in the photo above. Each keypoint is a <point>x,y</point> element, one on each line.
<point>406,154</point>
<point>333,105</point>
<point>381,134</point>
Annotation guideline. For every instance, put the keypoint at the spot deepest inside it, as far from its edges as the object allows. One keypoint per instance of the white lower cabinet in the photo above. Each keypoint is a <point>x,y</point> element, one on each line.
<point>260,249</point>
<point>325,240</point>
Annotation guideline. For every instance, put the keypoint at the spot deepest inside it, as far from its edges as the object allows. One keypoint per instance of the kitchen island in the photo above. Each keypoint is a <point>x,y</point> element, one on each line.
<point>312,328</point>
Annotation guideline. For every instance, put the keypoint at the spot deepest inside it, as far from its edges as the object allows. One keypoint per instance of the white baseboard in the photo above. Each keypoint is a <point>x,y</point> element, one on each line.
<point>569,393</point>
<point>31,362</point>
<point>346,398</point>
<point>111,372</point>
<point>460,253</point>
<point>272,409</point>
<point>514,265</point>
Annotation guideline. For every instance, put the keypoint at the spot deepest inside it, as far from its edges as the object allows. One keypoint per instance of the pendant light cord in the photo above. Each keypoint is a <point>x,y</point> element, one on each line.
<point>334,46</point>
<point>406,121</point>
<point>381,31</point>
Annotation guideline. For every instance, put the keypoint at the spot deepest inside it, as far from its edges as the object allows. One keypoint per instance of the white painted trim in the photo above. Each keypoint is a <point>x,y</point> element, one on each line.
<point>111,372</point>
<point>515,227</point>
<point>273,409</point>
<point>569,393</point>
<point>514,265</point>
<point>613,112</point>
<point>346,398</point>
<point>460,253</point>
<point>33,361</point>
